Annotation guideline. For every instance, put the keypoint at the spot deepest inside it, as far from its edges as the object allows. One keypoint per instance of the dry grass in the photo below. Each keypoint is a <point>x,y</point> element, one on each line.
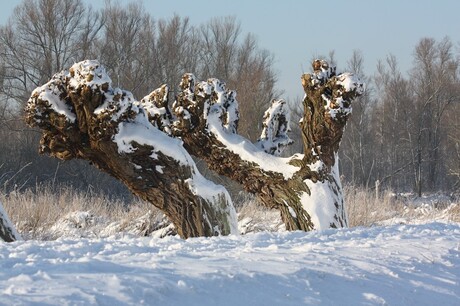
<point>454,212</point>
<point>365,208</point>
<point>40,208</point>
<point>253,217</point>
<point>49,213</point>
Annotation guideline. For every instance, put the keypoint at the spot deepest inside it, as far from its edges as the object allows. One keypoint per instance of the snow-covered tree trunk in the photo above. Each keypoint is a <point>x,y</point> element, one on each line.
<point>82,116</point>
<point>305,188</point>
<point>8,232</point>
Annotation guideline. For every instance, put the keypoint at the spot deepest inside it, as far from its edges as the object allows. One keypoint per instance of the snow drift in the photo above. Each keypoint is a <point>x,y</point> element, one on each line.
<point>394,265</point>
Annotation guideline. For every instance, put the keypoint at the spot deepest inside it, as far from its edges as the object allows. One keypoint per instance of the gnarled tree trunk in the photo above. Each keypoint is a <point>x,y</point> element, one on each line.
<point>305,188</point>
<point>83,117</point>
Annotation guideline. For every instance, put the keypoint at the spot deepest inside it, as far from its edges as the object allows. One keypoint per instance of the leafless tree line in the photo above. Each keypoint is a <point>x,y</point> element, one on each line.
<point>404,132</point>
<point>43,37</point>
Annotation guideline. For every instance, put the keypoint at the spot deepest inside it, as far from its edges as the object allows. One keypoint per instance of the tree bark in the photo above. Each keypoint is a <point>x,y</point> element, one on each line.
<point>82,116</point>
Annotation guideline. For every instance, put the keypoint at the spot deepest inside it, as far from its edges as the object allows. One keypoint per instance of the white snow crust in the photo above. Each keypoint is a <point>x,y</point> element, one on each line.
<point>351,82</point>
<point>49,92</point>
<point>248,151</point>
<point>143,133</point>
<point>392,265</point>
<point>90,73</point>
<point>320,202</point>
<point>274,135</point>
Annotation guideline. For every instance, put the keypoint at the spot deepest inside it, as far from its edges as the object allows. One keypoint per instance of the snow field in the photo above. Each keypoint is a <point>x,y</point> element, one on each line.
<point>393,265</point>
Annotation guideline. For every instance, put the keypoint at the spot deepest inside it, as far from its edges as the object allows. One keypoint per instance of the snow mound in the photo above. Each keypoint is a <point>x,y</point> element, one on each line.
<point>84,224</point>
<point>393,265</point>
<point>75,224</point>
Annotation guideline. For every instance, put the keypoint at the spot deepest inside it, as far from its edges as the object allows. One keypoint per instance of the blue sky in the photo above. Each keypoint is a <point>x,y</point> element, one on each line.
<point>297,30</point>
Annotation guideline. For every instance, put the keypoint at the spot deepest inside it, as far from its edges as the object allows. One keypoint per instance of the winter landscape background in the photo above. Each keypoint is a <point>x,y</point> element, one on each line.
<point>88,241</point>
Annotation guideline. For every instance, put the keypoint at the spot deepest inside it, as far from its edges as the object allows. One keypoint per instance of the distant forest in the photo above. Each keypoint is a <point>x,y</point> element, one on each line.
<point>404,133</point>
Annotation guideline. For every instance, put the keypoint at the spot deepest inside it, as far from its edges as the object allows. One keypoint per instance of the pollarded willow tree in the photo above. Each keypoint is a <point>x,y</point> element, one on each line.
<point>148,145</point>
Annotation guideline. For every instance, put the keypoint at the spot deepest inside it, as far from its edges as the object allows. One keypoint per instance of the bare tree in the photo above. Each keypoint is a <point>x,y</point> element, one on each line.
<point>453,147</point>
<point>177,47</point>
<point>220,47</point>
<point>413,119</point>
<point>435,79</point>
<point>357,158</point>
<point>245,67</point>
<point>127,45</point>
<point>393,126</point>
<point>42,37</point>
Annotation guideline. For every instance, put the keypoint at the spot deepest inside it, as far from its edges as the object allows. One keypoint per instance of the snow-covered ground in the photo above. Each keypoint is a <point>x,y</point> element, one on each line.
<point>390,265</point>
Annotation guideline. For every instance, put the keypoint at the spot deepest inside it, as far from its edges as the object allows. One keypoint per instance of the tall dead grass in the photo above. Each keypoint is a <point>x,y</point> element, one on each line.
<point>366,208</point>
<point>36,210</point>
<point>47,213</point>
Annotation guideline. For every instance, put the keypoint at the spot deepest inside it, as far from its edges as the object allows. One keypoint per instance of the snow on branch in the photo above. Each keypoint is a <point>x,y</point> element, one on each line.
<point>274,137</point>
<point>338,90</point>
<point>212,109</point>
<point>156,106</point>
<point>226,105</point>
<point>321,72</point>
<point>327,107</point>
<point>338,102</point>
<point>198,100</point>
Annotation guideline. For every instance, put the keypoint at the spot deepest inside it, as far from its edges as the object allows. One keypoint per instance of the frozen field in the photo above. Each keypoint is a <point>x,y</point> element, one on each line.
<point>390,265</point>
